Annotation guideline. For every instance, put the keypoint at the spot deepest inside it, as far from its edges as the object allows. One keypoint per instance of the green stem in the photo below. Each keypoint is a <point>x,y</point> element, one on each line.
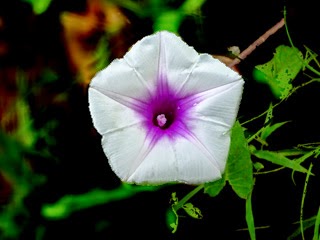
<point>270,171</point>
<point>277,104</point>
<point>302,201</point>
<point>291,42</point>
<point>186,198</point>
<point>250,218</point>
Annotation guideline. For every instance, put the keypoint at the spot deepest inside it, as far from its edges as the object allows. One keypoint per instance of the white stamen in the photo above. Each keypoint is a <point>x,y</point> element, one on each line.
<point>161,119</point>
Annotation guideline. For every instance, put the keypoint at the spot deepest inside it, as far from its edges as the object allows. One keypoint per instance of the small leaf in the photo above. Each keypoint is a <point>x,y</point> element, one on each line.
<point>279,159</point>
<point>310,55</point>
<point>172,216</point>
<point>174,198</point>
<point>214,188</point>
<point>269,114</point>
<point>172,219</point>
<point>268,130</point>
<point>192,211</point>
<point>307,223</point>
<point>258,166</point>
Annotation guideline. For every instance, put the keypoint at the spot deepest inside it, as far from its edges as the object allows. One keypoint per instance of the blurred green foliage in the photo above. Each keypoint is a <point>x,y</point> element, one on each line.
<point>39,6</point>
<point>69,204</point>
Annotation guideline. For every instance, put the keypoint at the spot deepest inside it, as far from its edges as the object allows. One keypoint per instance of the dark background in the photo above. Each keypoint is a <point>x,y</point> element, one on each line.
<point>78,164</point>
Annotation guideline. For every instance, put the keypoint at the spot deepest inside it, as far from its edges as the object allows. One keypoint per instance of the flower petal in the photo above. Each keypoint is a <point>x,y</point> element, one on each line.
<point>114,81</point>
<point>175,161</point>
<point>140,66</point>
<point>218,105</point>
<point>176,58</point>
<point>207,73</point>
<point>187,71</point>
<point>143,57</point>
<point>109,115</point>
<point>125,150</point>
<point>213,117</point>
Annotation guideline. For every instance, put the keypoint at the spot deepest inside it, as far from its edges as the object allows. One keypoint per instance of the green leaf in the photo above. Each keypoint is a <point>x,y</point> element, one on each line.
<point>310,55</point>
<point>268,130</point>
<point>258,166</point>
<point>269,114</point>
<point>172,219</point>
<point>279,159</point>
<point>172,216</point>
<point>239,168</point>
<point>214,188</point>
<point>279,72</point>
<point>174,198</point>
<point>308,223</point>
<point>192,211</point>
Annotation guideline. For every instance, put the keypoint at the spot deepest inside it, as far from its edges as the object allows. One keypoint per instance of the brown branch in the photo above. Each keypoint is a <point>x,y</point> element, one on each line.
<point>255,44</point>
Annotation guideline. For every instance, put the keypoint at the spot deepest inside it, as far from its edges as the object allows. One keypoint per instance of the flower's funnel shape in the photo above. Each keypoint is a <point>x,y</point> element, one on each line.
<point>165,112</point>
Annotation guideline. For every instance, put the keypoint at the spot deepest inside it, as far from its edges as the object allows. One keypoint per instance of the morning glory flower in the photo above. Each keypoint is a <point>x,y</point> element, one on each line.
<point>165,112</point>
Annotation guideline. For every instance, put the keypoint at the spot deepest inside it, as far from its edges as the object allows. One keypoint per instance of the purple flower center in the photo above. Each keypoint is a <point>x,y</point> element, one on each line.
<point>166,112</point>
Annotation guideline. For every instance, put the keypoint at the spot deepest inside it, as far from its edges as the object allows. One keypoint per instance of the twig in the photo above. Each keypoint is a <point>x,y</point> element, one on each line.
<point>258,42</point>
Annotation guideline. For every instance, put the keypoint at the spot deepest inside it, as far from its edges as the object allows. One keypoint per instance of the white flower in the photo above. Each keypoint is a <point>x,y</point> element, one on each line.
<point>165,112</point>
